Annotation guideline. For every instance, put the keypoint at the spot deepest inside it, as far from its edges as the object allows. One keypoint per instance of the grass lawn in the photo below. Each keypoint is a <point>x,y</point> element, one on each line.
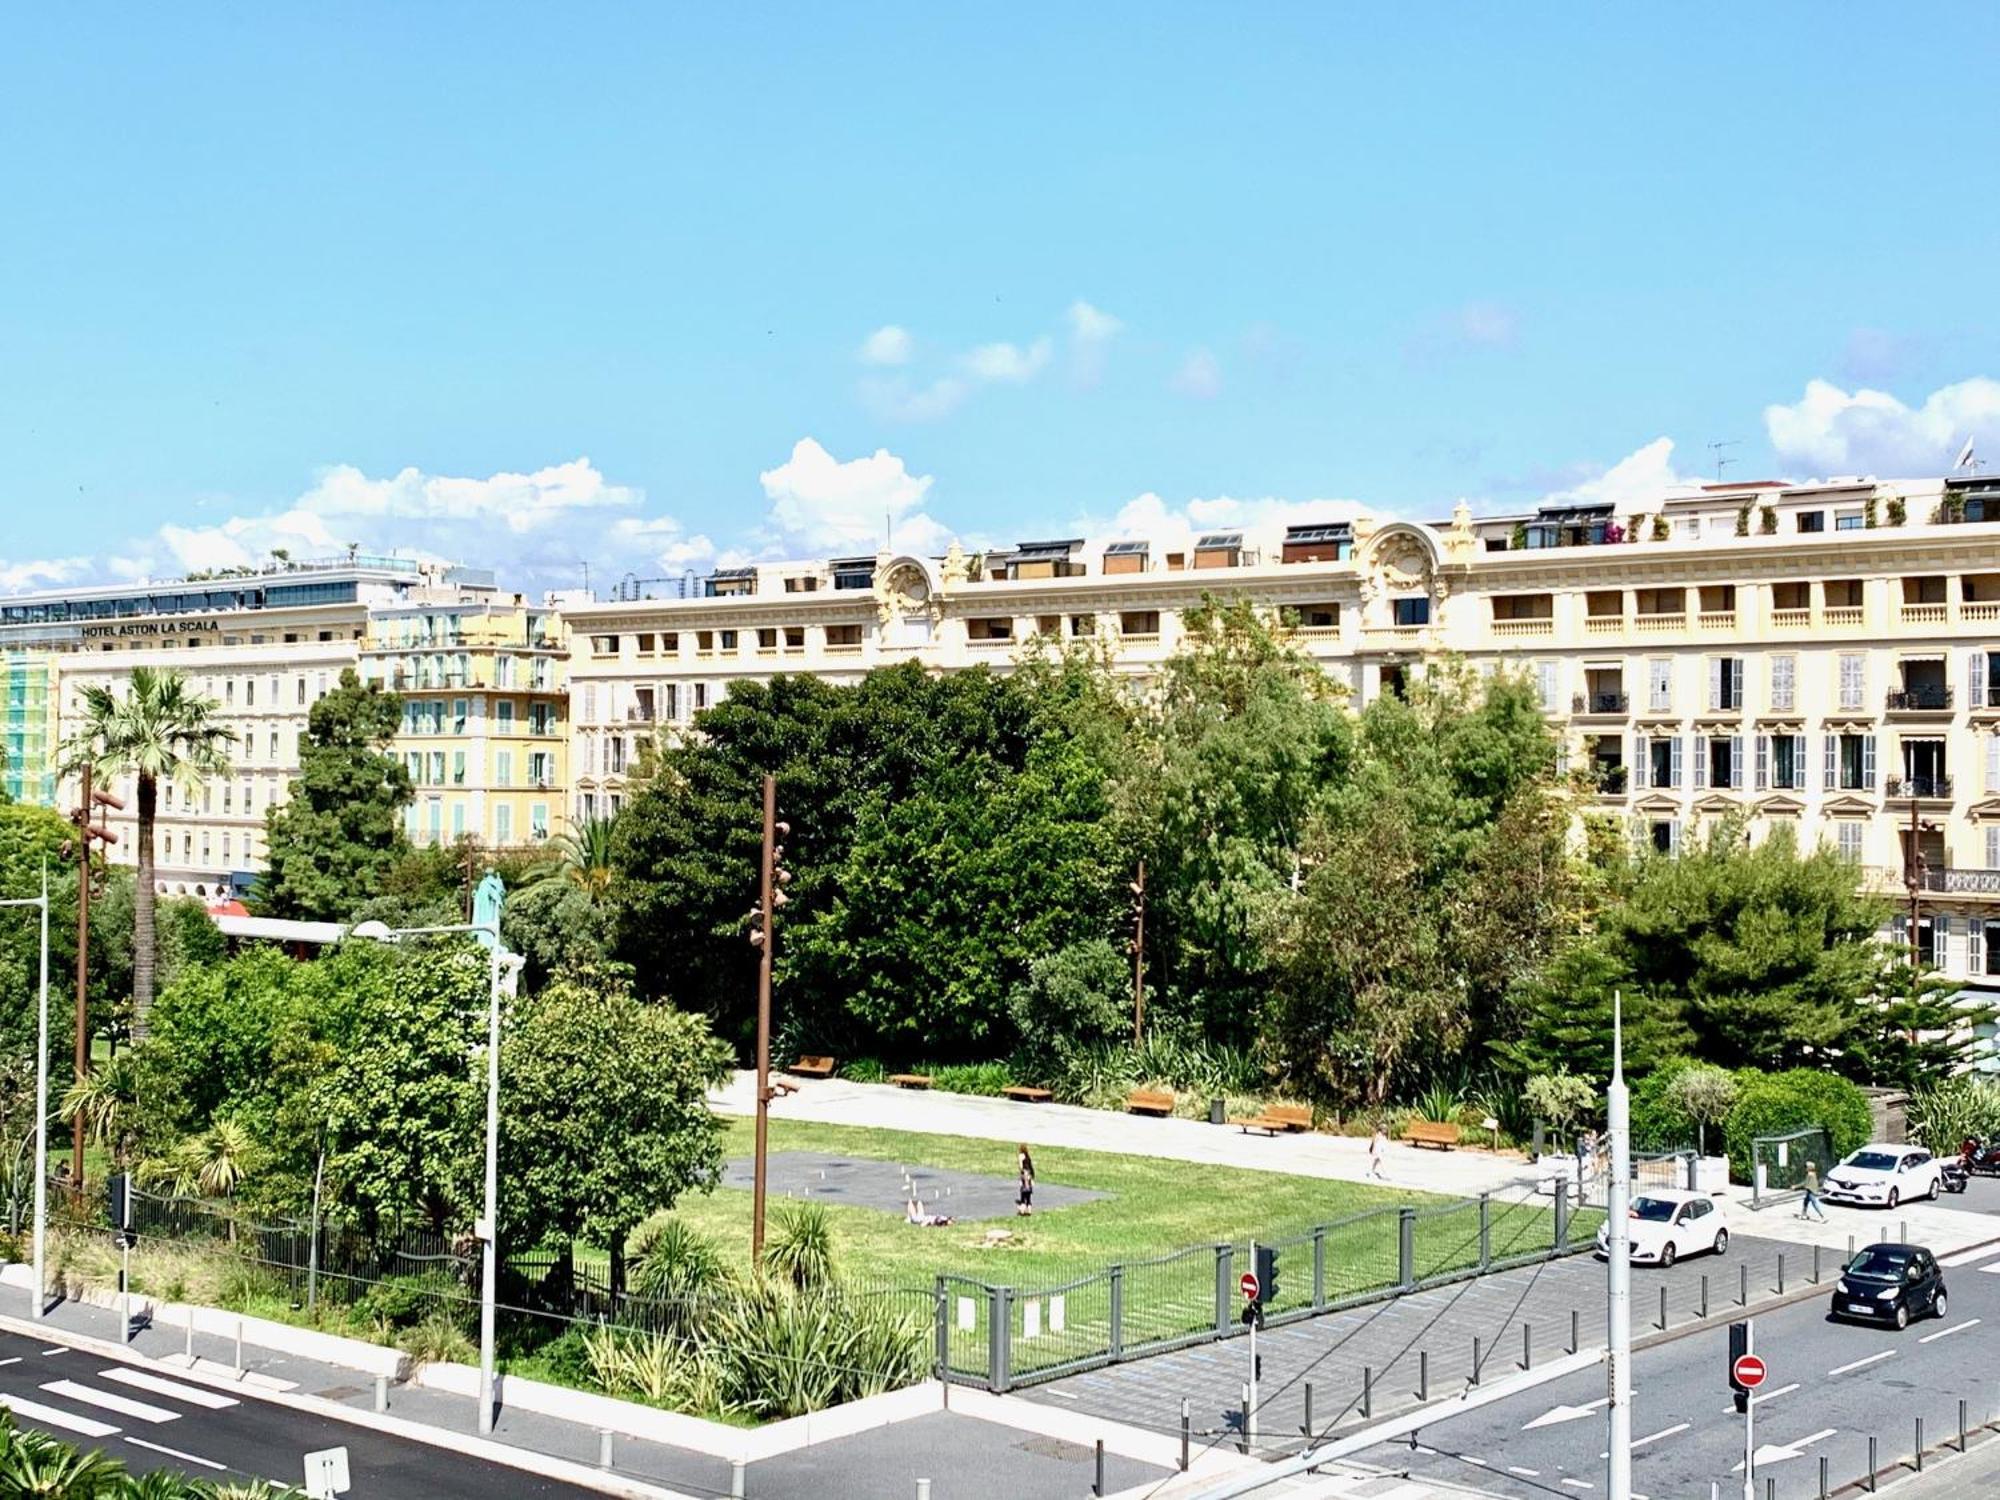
<point>1154,1209</point>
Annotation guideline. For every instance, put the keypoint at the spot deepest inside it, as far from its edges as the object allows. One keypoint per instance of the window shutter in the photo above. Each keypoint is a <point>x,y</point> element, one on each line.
<point>1735,682</point>
<point>1674,762</point>
<point>1715,666</point>
<point>1546,672</point>
<point>1868,762</point>
<point>1993,846</point>
<point>1700,760</point>
<point>1798,763</point>
<point>1674,831</point>
<point>1975,680</point>
<point>1763,761</point>
<point>1899,932</point>
<point>1941,940</point>
<point>1642,762</point>
<point>1736,763</point>
<point>1662,686</point>
<point>1975,946</point>
<point>1993,763</point>
<point>1832,761</point>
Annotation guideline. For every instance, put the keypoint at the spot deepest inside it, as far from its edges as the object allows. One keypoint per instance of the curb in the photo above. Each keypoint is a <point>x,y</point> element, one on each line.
<point>523,1459</point>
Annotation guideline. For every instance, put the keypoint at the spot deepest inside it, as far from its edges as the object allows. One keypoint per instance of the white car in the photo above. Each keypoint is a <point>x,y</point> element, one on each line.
<point>1883,1175</point>
<point>1666,1224</point>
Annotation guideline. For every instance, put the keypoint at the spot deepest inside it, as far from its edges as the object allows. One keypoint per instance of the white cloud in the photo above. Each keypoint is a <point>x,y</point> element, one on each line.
<point>1199,376</point>
<point>1486,324</point>
<point>820,504</point>
<point>1091,325</point>
<point>1008,363</point>
<point>1643,475</point>
<point>887,345</point>
<point>899,399</point>
<point>1174,528</point>
<point>1872,432</point>
<point>41,573</point>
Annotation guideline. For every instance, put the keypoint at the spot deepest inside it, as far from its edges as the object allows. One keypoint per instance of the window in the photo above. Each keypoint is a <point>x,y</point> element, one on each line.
<point>1548,685</point>
<point>728,639</point>
<point>1725,683</point>
<point>604,645</point>
<point>302,690</point>
<point>1848,520</point>
<point>436,768</point>
<point>1853,679</point>
<point>457,818</point>
<point>700,696</point>
<point>767,638</point>
<point>1784,683</point>
<point>1656,761</point>
<point>458,768</point>
<point>458,716</point>
<point>538,768</point>
<point>503,716</point>
<point>1781,762</point>
<point>538,820</point>
<point>1850,831</point>
<point>1850,762</point>
<point>1975,945</point>
<point>1666,835</point>
<point>1660,685</point>
<point>249,692</point>
<point>503,824</point>
<point>1982,681</point>
<point>1812,520</point>
<point>1412,612</point>
<point>274,745</point>
<point>503,768</point>
<point>1719,761</point>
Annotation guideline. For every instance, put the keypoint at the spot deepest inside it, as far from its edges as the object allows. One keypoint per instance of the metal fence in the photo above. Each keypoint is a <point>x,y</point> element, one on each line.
<point>1002,1337</point>
<point>1778,1164</point>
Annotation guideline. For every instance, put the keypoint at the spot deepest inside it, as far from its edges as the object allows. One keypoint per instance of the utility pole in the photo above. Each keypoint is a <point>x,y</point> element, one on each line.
<point>1139,960</point>
<point>1618,1269</point>
<point>773,878</point>
<point>90,798</point>
<point>1913,875</point>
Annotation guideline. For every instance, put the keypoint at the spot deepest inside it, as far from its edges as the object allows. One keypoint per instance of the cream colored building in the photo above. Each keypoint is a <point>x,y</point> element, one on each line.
<point>1825,657</point>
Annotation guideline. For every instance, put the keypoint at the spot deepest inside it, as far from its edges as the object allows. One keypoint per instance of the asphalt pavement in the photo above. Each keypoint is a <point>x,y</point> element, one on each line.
<point>1831,1387</point>
<point>151,1421</point>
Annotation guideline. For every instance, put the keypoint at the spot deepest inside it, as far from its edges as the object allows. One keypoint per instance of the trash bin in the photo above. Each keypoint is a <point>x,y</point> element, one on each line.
<point>1218,1111</point>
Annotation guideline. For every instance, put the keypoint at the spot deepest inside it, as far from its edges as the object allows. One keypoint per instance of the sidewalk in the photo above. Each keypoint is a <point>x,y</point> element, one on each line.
<point>1462,1173</point>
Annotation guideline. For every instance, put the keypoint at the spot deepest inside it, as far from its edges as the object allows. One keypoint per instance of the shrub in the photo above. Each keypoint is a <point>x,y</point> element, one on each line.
<point>987,1078</point>
<point>437,1340</point>
<point>1767,521</point>
<point>676,1265</point>
<point>1658,1121</point>
<point>800,1254</point>
<point>1957,1110</point>
<point>865,1070</point>
<point>1898,512</point>
<point>1705,1095</point>
<point>1078,996</point>
<point>1777,1103</point>
<point>1561,1098</point>
<point>402,1301</point>
<point>1661,530</point>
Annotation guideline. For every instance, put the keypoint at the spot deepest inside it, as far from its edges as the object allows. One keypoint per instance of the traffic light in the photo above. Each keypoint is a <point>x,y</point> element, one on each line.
<point>1739,1346</point>
<point>1267,1274</point>
<point>118,1204</point>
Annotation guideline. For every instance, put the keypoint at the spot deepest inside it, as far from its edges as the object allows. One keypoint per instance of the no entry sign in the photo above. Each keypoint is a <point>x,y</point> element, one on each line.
<point>1247,1282</point>
<point>1748,1371</point>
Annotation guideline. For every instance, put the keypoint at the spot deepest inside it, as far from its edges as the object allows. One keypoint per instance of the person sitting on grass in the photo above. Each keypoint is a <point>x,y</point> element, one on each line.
<point>913,1213</point>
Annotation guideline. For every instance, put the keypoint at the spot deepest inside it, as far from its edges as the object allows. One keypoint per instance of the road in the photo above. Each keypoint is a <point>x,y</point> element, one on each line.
<point>1831,1387</point>
<point>150,1421</point>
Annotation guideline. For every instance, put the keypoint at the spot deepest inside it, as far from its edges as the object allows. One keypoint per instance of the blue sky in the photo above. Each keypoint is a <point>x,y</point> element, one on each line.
<point>541,286</point>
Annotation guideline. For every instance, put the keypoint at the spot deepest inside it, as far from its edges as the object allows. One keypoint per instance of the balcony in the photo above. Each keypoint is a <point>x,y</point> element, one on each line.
<point>1611,781</point>
<point>1791,619</point>
<point>1605,705</point>
<point>1930,699</point>
<point>1660,624</point>
<point>1841,614</point>
<point>1923,614</point>
<point>1922,788</point>
<point>1542,626</point>
<point>1718,619</point>
<point>1980,611</point>
<point>1603,624</point>
<point>1960,882</point>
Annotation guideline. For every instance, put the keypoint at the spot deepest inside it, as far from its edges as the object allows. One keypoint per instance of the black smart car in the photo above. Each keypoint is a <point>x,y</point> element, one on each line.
<point>1890,1284</point>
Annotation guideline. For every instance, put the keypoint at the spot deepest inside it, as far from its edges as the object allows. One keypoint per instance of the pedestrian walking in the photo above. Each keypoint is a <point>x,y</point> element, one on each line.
<point>1810,1208</point>
<point>1024,1204</point>
<point>1378,1145</point>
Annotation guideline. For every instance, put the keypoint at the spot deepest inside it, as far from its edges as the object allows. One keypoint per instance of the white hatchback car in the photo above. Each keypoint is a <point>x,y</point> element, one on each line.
<point>1667,1223</point>
<point>1883,1175</point>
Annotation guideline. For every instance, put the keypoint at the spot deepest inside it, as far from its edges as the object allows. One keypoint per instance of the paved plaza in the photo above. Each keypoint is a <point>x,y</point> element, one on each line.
<point>888,1186</point>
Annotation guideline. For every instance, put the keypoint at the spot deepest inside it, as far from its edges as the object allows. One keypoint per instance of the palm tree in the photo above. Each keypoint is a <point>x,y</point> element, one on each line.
<point>159,730</point>
<point>106,1100</point>
<point>583,857</point>
<point>214,1163</point>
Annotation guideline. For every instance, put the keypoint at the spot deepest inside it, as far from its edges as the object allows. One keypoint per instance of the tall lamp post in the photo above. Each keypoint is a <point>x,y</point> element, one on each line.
<point>41,1308</point>
<point>503,973</point>
<point>773,877</point>
<point>1618,1268</point>
<point>1139,957</point>
<point>89,799</point>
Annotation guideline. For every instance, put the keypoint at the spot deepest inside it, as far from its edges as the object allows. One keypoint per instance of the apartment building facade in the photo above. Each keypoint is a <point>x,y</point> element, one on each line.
<point>485,732</point>
<point>1822,657</point>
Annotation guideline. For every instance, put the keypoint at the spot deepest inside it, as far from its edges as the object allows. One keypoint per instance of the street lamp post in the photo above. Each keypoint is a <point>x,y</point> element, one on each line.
<point>772,878</point>
<point>41,1307</point>
<point>1618,1268</point>
<point>487,1229</point>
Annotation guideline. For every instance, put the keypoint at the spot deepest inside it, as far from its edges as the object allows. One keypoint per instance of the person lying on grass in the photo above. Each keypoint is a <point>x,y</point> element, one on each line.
<point>913,1212</point>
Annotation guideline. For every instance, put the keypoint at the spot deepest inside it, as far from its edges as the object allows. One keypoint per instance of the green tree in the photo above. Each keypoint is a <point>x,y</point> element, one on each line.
<point>585,856</point>
<point>1921,1029</point>
<point>605,1113</point>
<point>158,730</point>
<point>1705,1095</point>
<point>1562,1098</point>
<point>1078,996</point>
<point>555,927</point>
<point>337,837</point>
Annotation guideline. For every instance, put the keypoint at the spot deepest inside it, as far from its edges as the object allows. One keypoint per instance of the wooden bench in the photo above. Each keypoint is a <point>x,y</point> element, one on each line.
<point>1026,1094</point>
<point>1439,1133</point>
<point>911,1080</point>
<point>1141,1102</point>
<point>812,1067</point>
<point>1277,1118</point>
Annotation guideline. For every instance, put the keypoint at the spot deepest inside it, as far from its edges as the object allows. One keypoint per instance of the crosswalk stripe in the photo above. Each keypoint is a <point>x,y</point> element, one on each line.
<point>125,1406</point>
<point>193,1395</point>
<point>192,1458</point>
<point>50,1416</point>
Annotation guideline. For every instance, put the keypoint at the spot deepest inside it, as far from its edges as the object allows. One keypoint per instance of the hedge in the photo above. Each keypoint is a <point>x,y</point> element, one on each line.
<point>1778,1103</point>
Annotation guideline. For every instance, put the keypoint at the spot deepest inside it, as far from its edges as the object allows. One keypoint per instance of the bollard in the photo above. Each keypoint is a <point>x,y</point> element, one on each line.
<point>1920,1445</point>
<point>1850,1247</point>
<point>1743,1286</point>
<point>1903,1231</point>
<point>1184,1434</point>
<point>190,1338</point>
<point>1781,1275</point>
<point>1475,1359</point>
<point>604,1447</point>
<point>239,1348</point>
<point>1871,1466</point>
<point>1961,1426</point>
<point>1527,1346</point>
<point>1306,1426</point>
<point>923,1489</point>
<point>737,1467</point>
<point>1704,1294</point>
<point>1770,1488</point>
<point>1663,1310</point>
<point>1572,1331</point>
<point>1367,1391</point>
<point>1097,1488</point>
<point>1816,1265</point>
<point>1822,1477</point>
<point>1423,1375</point>
<point>1243,1392</point>
<point>381,1393</point>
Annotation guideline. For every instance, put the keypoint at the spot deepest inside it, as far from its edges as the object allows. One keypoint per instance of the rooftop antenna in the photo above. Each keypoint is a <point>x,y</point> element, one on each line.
<point>586,575</point>
<point>1722,463</point>
<point>1966,459</point>
<point>888,529</point>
